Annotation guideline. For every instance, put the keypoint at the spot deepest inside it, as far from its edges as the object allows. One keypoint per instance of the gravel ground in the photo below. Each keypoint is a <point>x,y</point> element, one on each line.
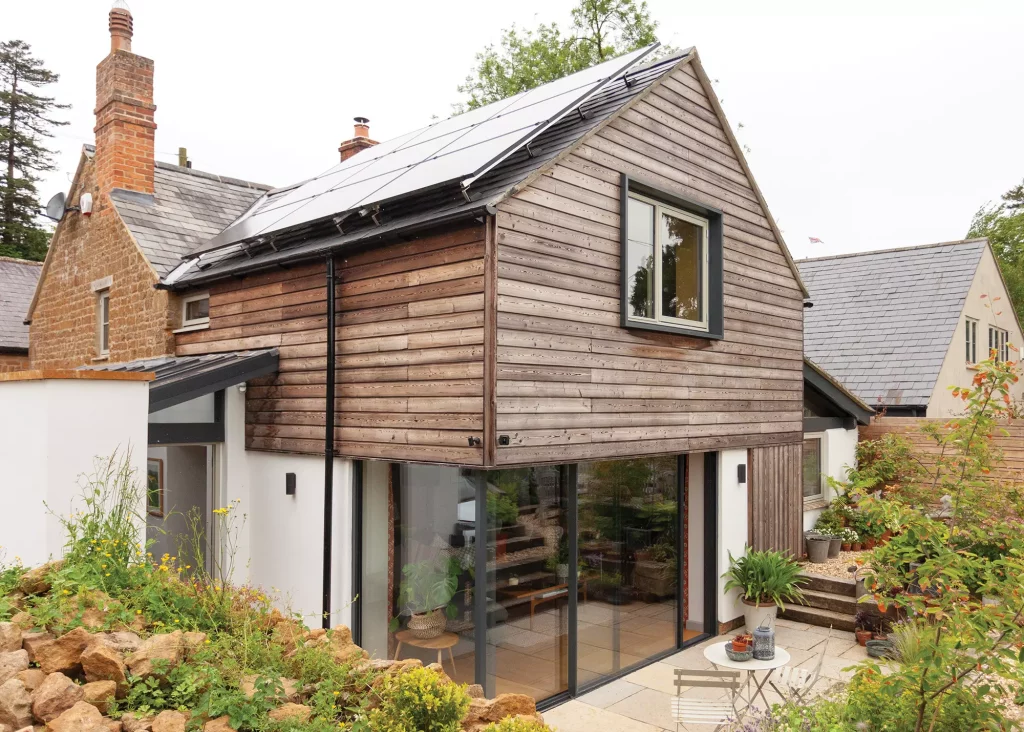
<point>837,567</point>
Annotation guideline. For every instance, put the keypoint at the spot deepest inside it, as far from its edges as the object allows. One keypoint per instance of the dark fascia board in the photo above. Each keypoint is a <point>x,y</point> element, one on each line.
<point>716,300</point>
<point>820,424</point>
<point>836,396</point>
<point>162,396</point>
<point>16,350</point>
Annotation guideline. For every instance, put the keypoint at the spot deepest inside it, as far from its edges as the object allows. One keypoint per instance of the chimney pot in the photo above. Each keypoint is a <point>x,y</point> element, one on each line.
<point>362,127</point>
<point>360,139</point>
<point>121,27</point>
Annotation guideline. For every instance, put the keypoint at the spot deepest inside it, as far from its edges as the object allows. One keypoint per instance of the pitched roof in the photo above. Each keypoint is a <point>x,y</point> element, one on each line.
<point>188,208</point>
<point>18,279</point>
<point>882,321</point>
<point>427,208</point>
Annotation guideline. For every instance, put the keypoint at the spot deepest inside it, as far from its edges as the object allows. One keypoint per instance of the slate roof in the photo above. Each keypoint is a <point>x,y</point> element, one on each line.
<point>422,209</point>
<point>188,208</point>
<point>882,321</point>
<point>18,279</point>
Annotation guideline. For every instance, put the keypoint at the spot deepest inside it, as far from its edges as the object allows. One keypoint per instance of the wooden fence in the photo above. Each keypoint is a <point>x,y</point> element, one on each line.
<point>1010,443</point>
<point>775,498</point>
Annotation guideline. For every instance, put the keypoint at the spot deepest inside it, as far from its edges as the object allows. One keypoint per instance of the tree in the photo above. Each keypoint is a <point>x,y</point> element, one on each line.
<point>601,30</point>
<point>26,120</point>
<point>1003,224</point>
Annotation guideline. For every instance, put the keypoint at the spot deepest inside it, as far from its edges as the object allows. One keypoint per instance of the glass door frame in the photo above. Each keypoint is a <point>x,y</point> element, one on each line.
<point>569,475</point>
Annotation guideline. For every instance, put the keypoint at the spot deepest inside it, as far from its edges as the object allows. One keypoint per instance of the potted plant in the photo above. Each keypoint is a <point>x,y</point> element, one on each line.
<point>817,547</point>
<point>830,524</point>
<point>849,537</point>
<point>504,511</point>
<point>426,592</point>
<point>559,561</point>
<point>864,627</point>
<point>766,579</point>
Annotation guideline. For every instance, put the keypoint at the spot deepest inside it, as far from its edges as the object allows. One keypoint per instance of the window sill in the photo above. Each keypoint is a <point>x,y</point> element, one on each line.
<point>675,329</point>
<point>813,504</point>
<point>105,357</point>
<point>193,327</point>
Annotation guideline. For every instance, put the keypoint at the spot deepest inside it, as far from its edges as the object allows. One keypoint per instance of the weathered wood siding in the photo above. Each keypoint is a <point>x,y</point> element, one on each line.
<point>410,350</point>
<point>571,384</point>
<point>775,501</point>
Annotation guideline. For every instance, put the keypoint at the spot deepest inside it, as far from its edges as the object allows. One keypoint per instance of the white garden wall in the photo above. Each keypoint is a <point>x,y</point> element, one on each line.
<point>53,428</point>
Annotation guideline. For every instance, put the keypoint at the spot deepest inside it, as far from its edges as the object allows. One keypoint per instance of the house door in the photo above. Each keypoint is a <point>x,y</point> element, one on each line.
<point>179,497</point>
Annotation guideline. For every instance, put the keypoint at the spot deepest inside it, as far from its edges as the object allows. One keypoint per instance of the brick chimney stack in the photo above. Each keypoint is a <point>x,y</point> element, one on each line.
<point>360,140</point>
<point>125,127</point>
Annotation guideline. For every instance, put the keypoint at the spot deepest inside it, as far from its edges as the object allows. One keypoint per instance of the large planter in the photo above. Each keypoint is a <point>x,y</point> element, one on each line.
<point>428,625</point>
<point>817,549</point>
<point>834,545</point>
<point>755,615</point>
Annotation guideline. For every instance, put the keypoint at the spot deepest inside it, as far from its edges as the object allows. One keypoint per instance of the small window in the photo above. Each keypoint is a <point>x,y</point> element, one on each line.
<point>671,255</point>
<point>195,310</point>
<point>814,481</point>
<point>103,322</point>
<point>972,340</point>
<point>998,340</point>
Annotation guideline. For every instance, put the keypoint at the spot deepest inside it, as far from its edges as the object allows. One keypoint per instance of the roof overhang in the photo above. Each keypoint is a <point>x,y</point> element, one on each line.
<point>836,393</point>
<point>183,378</point>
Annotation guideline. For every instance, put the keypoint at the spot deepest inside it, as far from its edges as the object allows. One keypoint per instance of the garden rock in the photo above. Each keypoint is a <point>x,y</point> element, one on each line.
<point>15,704</point>
<point>100,694</point>
<point>169,721</point>
<point>54,696</point>
<point>64,653</point>
<point>475,691</point>
<point>290,686</point>
<point>31,678</point>
<point>288,634</point>
<point>12,663</point>
<point>220,724</point>
<point>82,717</point>
<point>484,712</point>
<point>23,620</point>
<point>123,641</point>
<point>342,647</point>
<point>439,670</point>
<point>100,662</point>
<point>193,642</point>
<point>297,712</point>
<point>167,647</point>
<point>132,722</point>
<point>31,641</point>
<point>36,581</point>
<point>10,637</point>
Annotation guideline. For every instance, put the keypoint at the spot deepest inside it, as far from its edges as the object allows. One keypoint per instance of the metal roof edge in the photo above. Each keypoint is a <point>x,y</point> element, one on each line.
<point>838,394</point>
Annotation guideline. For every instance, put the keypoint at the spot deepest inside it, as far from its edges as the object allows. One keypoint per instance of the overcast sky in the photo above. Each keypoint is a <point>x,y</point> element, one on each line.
<point>869,131</point>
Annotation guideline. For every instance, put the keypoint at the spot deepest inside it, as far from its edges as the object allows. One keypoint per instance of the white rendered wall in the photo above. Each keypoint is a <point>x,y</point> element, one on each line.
<point>732,533</point>
<point>51,434</point>
<point>839,453</point>
<point>695,542</point>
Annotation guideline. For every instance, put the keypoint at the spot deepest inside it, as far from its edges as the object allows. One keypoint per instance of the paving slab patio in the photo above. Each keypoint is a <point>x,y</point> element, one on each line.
<point>641,701</point>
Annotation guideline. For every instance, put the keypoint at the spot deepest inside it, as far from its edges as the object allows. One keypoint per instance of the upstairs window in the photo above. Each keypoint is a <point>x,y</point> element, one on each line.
<point>998,343</point>
<point>195,311</point>
<point>972,340</point>
<point>103,322</point>
<point>672,263</point>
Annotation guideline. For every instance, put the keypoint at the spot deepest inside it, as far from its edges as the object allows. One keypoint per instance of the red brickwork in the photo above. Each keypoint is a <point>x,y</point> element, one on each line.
<point>13,362</point>
<point>124,123</point>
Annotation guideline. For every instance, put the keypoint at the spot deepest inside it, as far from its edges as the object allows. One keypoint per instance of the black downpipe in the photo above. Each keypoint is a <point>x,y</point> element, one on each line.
<point>329,445</point>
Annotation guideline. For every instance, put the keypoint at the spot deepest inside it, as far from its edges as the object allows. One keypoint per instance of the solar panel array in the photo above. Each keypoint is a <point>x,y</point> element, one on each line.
<point>460,148</point>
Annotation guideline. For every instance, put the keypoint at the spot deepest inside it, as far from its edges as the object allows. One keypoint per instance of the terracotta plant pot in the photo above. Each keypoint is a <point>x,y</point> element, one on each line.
<point>856,546</point>
<point>846,546</point>
<point>863,636</point>
<point>739,647</point>
<point>886,535</point>
<point>870,543</point>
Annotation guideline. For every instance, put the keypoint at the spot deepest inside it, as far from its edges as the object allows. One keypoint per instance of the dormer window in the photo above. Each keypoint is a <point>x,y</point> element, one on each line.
<point>195,311</point>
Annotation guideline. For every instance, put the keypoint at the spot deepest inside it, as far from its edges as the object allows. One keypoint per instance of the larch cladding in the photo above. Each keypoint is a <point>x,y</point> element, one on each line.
<point>571,384</point>
<point>10,362</point>
<point>410,350</point>
<point>86,249</point>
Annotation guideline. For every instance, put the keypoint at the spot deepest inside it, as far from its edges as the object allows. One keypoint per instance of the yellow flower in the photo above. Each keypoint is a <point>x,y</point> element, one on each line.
<point>107,574</point>
<point>207,641</point>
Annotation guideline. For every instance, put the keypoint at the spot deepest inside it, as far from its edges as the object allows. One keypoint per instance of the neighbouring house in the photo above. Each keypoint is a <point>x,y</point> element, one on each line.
<point>898,327</point>
<point>18,279</point>
<point>550,349</point>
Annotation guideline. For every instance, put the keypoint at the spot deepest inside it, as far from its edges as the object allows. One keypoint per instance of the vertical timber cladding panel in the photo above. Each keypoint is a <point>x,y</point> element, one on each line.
<point>410,350</point>
<point>574,385</point>
<point>776,513</point>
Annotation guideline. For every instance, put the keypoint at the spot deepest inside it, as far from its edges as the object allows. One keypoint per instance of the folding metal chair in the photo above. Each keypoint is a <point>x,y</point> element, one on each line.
<point>719,712</point>
<point>796,683</point>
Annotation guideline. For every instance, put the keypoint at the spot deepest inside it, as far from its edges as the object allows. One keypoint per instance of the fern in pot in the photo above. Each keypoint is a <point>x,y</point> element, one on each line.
<point>766,579</point>
<point>426,592</point>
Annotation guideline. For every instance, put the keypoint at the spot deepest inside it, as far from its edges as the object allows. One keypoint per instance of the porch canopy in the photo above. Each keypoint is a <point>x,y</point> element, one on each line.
<point>182,378</point>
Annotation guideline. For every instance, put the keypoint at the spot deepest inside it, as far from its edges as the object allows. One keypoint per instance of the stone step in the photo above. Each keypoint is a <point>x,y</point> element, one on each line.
<point>834,585</point>
<point>831,601</point>
<point>817,616</point>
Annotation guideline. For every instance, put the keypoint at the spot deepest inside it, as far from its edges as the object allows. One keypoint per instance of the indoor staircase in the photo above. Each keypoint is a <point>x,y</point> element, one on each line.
<point>829,602</point>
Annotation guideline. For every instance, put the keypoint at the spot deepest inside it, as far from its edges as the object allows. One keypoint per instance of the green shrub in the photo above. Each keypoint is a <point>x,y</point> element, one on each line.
<point>765,576</point>
<point>418,700</point>
<point>517,724</point>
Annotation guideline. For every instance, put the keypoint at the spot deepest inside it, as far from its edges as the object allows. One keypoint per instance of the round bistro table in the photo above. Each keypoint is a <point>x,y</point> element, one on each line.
<point>716,654</point>
<point>445,640</point>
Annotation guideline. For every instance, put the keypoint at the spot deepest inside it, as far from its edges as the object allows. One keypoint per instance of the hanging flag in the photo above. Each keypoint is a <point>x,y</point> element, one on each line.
<point>815,240</point>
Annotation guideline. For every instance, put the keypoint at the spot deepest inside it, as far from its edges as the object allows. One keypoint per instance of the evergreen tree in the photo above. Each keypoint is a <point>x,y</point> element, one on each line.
<point>1003,224</point>
<point>601,30</point>
<point>25,121</point>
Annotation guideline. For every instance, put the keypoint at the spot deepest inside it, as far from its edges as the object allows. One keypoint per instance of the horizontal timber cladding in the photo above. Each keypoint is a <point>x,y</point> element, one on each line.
<point>410,350</point>
<point>775,499</point>
<point>571,384</point>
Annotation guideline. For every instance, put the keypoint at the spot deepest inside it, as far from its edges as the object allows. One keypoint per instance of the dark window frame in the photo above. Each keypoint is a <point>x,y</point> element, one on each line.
<point>715,299</point>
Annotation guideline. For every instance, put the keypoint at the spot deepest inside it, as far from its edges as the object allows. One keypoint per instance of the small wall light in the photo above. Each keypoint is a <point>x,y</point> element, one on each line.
<point>289,484</point>
<point>85,203</point>
<point>741,474</point>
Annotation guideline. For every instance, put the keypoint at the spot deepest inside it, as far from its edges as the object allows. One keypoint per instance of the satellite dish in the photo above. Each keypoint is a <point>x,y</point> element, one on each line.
<point>55,207</point>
